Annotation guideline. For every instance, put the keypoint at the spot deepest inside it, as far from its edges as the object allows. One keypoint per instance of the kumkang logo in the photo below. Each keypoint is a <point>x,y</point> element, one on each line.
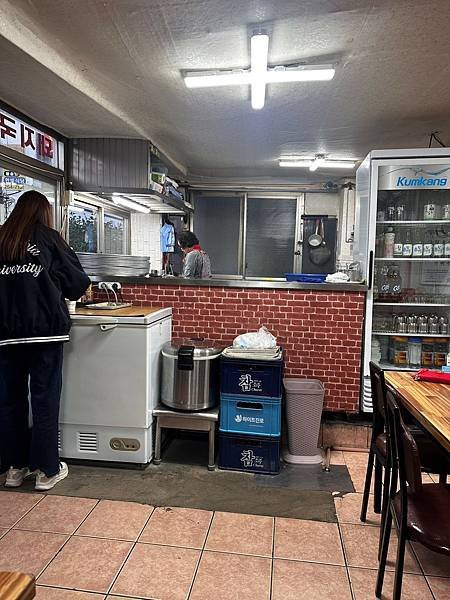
<point>421,181</point>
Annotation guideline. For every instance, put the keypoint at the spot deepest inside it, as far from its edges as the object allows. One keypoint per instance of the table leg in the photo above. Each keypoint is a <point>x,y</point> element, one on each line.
<point>212,449</point>
<point>157,457</point>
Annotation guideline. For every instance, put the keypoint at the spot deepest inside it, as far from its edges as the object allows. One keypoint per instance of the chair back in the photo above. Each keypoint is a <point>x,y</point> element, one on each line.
<point>405,454</point>
<point>378,387</point>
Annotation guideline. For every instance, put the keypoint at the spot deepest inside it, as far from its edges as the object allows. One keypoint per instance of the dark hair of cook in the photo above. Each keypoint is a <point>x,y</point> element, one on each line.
<point>32,209</point>
<point>187,239</point>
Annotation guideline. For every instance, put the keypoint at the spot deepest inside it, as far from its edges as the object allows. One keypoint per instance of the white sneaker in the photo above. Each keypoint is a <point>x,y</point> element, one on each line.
<point>44,483</point>
<point>15,477</point>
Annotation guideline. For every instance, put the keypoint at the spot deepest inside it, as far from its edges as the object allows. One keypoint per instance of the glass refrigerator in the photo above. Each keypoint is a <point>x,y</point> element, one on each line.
<point>402,242</point>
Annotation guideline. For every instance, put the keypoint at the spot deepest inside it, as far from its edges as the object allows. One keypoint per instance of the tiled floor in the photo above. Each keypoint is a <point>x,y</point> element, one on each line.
<point>84,549</point>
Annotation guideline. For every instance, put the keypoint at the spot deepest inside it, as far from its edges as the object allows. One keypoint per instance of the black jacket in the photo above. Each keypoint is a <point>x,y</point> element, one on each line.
<point>33,290</point>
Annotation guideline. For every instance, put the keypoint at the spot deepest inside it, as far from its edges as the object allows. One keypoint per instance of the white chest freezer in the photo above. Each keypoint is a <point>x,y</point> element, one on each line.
<point>111,384</point>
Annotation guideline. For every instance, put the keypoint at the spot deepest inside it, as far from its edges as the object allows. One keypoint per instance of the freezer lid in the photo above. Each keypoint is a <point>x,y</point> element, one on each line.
<point>143,318</point>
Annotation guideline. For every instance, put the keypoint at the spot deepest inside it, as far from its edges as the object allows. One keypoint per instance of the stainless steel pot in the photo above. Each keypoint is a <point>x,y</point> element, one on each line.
<point>190,374</point>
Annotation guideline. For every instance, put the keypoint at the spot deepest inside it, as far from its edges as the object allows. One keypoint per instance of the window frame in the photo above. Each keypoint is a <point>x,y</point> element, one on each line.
<point>102,208</point>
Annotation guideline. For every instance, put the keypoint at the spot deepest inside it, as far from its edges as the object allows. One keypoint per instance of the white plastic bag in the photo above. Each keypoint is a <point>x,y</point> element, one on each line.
<point>260,339</point>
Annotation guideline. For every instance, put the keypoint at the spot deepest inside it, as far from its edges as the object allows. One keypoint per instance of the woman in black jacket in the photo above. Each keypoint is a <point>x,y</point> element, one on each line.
<point>38,271</point>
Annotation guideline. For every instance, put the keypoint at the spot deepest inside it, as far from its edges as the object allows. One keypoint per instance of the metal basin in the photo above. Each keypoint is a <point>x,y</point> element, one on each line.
<point>108,305</point>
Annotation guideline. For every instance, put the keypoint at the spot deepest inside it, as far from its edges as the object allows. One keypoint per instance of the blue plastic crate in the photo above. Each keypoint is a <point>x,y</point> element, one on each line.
<point>306,277</point>
<point>250,415</point>
<point>249,453</point>
<point>251,377</point>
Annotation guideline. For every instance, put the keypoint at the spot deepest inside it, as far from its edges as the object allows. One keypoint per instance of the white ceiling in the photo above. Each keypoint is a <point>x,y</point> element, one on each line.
<point>112,68</point>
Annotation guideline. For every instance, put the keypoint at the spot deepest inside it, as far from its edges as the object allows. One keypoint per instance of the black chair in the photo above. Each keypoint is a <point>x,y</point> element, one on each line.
<point>420,511</point>
<point>432,459</point>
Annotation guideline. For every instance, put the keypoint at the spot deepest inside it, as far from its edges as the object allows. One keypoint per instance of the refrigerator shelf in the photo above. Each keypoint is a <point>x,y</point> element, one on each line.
<point>408,304</point>
<point>412,259</point>
<point>421,335</point>
<point>428,222</point>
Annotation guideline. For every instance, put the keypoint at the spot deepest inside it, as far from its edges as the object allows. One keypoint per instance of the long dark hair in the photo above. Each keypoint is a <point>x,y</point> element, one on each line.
<point>32,209</point>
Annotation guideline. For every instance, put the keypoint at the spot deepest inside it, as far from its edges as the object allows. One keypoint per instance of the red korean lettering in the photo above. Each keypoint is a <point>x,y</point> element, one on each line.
<point>5,128</point>
<point>45,145</point>
<point>26,137</point>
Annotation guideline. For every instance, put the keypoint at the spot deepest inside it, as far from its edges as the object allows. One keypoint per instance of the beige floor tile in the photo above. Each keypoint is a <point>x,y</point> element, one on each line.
<point>116,520</point>
<point>160,572</point>
<point>440,587</point>
<point>348,510</point>
<point>432,563</point>
<point>14,505</point>
<point>361,549</point>
<point>232,577</point>
<point>358,477</point>
<point>28,551</point>
<point>57,514</point>
<point>47,593</point>
<point>357,459</point>
<point>308,540</point>
<point>181,527</point>
<point>241,534</point>
<point>337,457</point>
<point>307,581</point>
<point>363,581</point>
<point>87,564</point>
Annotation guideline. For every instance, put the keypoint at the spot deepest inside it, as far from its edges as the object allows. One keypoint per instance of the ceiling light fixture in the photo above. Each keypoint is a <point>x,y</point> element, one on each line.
<point>125,202</point>
<point>259,56</point>
<point>259,74</point>
<point>314,162</point>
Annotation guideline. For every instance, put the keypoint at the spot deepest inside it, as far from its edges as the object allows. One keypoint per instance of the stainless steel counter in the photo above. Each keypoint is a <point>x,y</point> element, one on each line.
<point>271,284</point>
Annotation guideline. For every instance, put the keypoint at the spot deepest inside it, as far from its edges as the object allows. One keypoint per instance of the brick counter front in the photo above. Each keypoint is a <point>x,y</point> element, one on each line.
<point>321,331</point>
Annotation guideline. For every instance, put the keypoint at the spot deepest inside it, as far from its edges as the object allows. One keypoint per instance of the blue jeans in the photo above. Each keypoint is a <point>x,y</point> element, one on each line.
<point>30,371</point>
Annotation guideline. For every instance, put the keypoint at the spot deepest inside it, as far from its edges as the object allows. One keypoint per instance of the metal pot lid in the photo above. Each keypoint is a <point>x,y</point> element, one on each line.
<point>202,347</point>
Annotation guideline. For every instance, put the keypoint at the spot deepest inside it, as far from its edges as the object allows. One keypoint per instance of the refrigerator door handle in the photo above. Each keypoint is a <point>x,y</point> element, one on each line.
<point>370,273</point>
<point>108,326</point>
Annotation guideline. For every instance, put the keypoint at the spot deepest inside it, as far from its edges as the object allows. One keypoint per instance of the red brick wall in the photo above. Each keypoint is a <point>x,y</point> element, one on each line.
<point>321,332</point>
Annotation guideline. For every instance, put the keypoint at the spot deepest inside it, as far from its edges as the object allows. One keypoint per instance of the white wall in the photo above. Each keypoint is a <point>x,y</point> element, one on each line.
<point>145,237</point>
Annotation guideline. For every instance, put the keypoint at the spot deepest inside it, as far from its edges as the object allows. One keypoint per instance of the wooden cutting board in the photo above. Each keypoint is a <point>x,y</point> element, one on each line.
<point>129,311</point>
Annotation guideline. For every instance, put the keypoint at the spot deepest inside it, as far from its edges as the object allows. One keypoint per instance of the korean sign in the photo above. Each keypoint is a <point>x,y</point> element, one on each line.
<point>30,141</point>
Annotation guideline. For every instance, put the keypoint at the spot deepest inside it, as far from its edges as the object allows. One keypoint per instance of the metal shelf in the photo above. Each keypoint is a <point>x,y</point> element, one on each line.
<point>412,259</point>
<point>407,304</point>
<point>421,335</point>
<point>390,367</point>
<point>429,222</point>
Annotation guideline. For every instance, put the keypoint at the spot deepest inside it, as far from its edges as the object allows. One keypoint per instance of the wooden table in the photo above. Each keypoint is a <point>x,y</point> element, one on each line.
<point>428,402</point>
<point>17,586</point>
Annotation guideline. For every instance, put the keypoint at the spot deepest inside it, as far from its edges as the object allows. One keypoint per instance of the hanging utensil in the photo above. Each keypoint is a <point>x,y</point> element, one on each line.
<point>315,239</point>
<point>322,254</point>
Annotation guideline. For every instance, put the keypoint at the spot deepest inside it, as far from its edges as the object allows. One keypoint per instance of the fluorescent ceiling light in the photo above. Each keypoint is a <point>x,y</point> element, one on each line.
<point>121,201</point>
<point>304,73</point>
<point>217,79</point>
<point>314,163</point>
<point>259,55</point>
<point>259,75</point>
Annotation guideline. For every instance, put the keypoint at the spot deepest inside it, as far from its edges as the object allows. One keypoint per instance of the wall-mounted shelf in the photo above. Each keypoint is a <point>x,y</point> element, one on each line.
<point>407,304</point>
<point>421,335</point>
<point>413,259</point>
<point>429,222</point>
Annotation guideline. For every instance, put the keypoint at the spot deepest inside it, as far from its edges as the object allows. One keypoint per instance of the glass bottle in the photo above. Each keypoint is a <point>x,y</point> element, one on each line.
<point>428,244</point>
<point>414,351</point>
<point>379,244</point>
<point>398,243</point>
<point>407,244</point>
<point>390,210</point>
<point>389,240</point>
<point>418,243</point>
<point>383,285</point>
<point>395,281</point>
<point>447,245</point>
<point>438,245</point>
